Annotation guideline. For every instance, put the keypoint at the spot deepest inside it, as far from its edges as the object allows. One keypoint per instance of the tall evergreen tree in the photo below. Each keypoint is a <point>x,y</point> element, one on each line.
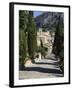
<point>58,46</point>
<point>22,46</point>
<point>31,36</point>
<point>23,20</point>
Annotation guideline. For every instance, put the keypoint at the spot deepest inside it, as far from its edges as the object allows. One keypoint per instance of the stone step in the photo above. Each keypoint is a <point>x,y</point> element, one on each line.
<point>45,61</point>
<point>45,66</point>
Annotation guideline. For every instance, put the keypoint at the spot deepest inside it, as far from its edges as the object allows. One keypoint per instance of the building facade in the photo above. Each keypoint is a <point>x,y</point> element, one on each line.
<point>47,39</point>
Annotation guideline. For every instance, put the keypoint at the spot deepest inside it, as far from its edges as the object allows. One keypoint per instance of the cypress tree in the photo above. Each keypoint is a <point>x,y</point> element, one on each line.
<point>23,20</point>
<point>58,46</point>
<point>31,36</point>
<point>22,46</point>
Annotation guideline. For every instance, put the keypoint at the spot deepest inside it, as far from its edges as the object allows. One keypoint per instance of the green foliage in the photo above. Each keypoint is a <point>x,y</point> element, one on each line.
<point>43,50</point>
<point>46,49</point>
<point>32,34</point>
<point>27,36</point>
<point>38,49</point>
<point>37,56</point>
<point>59,43</point>
<point>23,19</point>
<point>22,46</point>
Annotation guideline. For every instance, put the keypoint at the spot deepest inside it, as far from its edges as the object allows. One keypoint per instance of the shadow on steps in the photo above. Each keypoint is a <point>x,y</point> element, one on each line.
<point>43,70</point>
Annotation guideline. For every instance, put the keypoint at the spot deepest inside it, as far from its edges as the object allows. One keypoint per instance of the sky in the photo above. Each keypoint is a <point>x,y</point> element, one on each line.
<point>37,13</point>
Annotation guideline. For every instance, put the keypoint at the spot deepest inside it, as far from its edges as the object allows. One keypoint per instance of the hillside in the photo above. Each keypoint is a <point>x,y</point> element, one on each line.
<point>49,20</point>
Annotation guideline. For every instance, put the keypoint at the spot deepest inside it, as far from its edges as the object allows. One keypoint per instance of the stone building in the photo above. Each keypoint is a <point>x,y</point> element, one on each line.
<point>47,39</point>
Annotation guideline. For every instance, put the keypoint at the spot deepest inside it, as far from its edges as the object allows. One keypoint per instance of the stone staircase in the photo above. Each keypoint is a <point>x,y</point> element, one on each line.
<point>42,68</point>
